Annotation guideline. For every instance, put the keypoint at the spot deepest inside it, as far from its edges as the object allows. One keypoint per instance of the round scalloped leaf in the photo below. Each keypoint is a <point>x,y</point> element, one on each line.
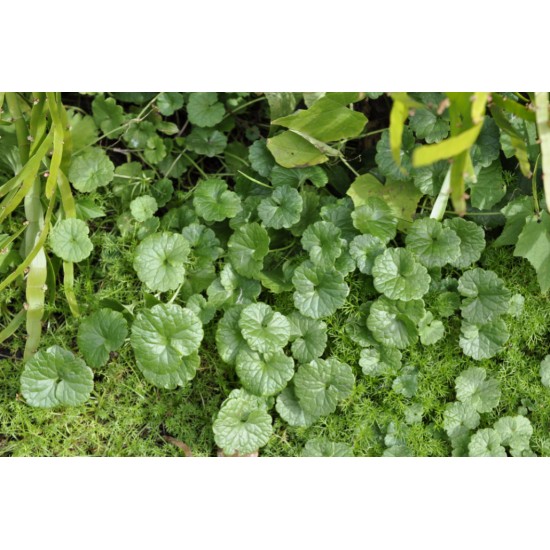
<point>101,333</point>
<point>375,218</point>
<point>515,432</point>
<point>394,324</point>
<point>482,341</point>
<point>214,202</point>
<point>309,335</point>
<point>264,374</point>
<point>380,360</point>
<point>321,384</point>
<point>242,425</point>
<point>486,297</point>
<point>472,241</point>
<point>165,340</point>
<point>319,292</point>
<point>473,389</point>
<point>545,371</point>
<point>433,244</point>
<point>261,160</point>
<point>486,442</point>
<point>69,240</point>
<point>364,249</point>
<point>384,157</point>
<point>229,339</point>
<point>406,383</point>
<point>205,246</point>
<point>430,330</point>
<point>56,377</point>
<point>247,248</point>
<point>143,208</point>
<point>339,213</point>
<point>399,276</point>
<point>265,330</point>
<point>323,447</point>
<point>159,261</point>
<point>289,408</point>
<point>91,169</point>
<point>282,208</point>
<point>429,179</point>
<point>241,289</point>
<point>458,416</point>
<point>205,141</point>
<point>204,109</point>
<point>322,241</point>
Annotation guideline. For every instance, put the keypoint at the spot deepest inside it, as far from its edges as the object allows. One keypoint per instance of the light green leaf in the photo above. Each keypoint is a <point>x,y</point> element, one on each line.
<point>430,330</point>
<point>429,179</point>
<point>485,296</point>
<point>482,341</point>
<point>486,442</point>
<point>280,103</point>
<point>165,340</point>
<point>101,333</point>
<point>380,360</point>
<point>534,245</point>
<point>429,126</point>
<point>214,202</point>
<point>324,448</point>
<point>205,247</point>
<point>322,241</point>
<point>139,133</point>
<point>515,432</point>
<point>489,187</point>
<point>204,109</point>
<point>308,336</point>
<point>458,416</point>
<point>515,309</point>
<point>83,130</point>
<point>247,249</point>
<point>321,384</point>
<point>159,261</point>
<point>108,116</point>
<point>264,374</point>
<point>242,425</point>
<point>319,291</point>
<point>406,383</point>
<point>204,310</point>
<point>282,208</point>
<point>289,408</point>
<point>375,218</point>
<point>386,162</point>
<point>169,102</point>
<point>91,169</point>
<point>295,177</point>
<point>398,276</point>
<point>229,339</point>
<point>291,150</point>
<point>433,244</point>
<point>264,330</point>
<point>69,240</point>
<point>205,141</point>
<point>517,213</point>
<point>56,377</point>
<point>473,389</point>
<point>545,371</point>
<point>364,249</point>
<point>472,241</point>
<point>143,208</point>
<point>414,414</point>
<point>87,209</point>
<point>242,290</point>
<point>486,149</point>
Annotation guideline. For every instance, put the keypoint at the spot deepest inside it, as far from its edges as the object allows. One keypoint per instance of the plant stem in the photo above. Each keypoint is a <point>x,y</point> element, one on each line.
<point>440,205</point>
<point>543,127</point>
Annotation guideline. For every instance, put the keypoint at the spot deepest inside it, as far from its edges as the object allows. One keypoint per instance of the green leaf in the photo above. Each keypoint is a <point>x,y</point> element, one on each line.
<point>326,120</point>
<point>242,425</point>
<point>433,244</point>
<point>205,247</point>
<point>364,249</point>
<point>375,218</point>
<point>264,330</point>
<point>429,179</point>
<point>139,133</point>
<point>56,377</point>
<point>485,296</point>
<point>69,240</point>
<point>291,150</point>
<point>204,310</point>
<point>87,209</point>
<point>458,416</point>
<point>385,161</point>
<point>308,336</point>
<point>159,261</point>
<point>406,383</point>
<point>322,241</point>
<point>169,102</point>
<point>486,442</point>
<point>205,141</point>
<point>204,109</point>
<point>482,341</point>
<point>545,371</point>
<point>162,191</point>
<point>515,432</point>
<point>101,333</point>
<point>380,360</point>
<point>489,187</point>
<point>281,209</point>
<point>83,130</point>
<point>108,116</point>
<point>486,149</point>
<point>264,374</point>
<point>414,414</point>
<point>247,248</point>
<point>260,158</point>
<point>242,290</point>
<point>289,408</point>
<point>472,241</point>
<point>321,384</point>
<point>296,177</point>
<point>473,389</point>
<point>517,212</point>
<point>91,169</point>
<point>229,339</point>
<point>214,202</point>
<point>165,340</point>
<point>515,309</point>
<point>398,276</point>
<point>280,103</point>
<point>143,208</point>
<point>323,448</point>
<point>394,323</point>
<point>430,330</point>
<point>534,245</point>
<point>319,291</point>
<point>429,126</point>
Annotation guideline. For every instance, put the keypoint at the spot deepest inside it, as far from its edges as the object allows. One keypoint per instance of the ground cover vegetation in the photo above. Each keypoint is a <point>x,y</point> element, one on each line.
<point>294,274</point>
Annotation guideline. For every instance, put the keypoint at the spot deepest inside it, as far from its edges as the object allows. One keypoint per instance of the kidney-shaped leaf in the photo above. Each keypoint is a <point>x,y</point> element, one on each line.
<point>69,240</point>
<point>247,248</point>
<point>214,202</point>
<point>515,432</point>
<point>486,442</point>
<point>472,241</point>
<point>375,218</point>
<point>291,411</point>
<point>483,340</point>
<point>56,377</point>
<point>322,241</point>
<point>323,447</point>
<point>473,389</point>
<point>91,169</point>
<point>265,330</point>
<point>282,208</point>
